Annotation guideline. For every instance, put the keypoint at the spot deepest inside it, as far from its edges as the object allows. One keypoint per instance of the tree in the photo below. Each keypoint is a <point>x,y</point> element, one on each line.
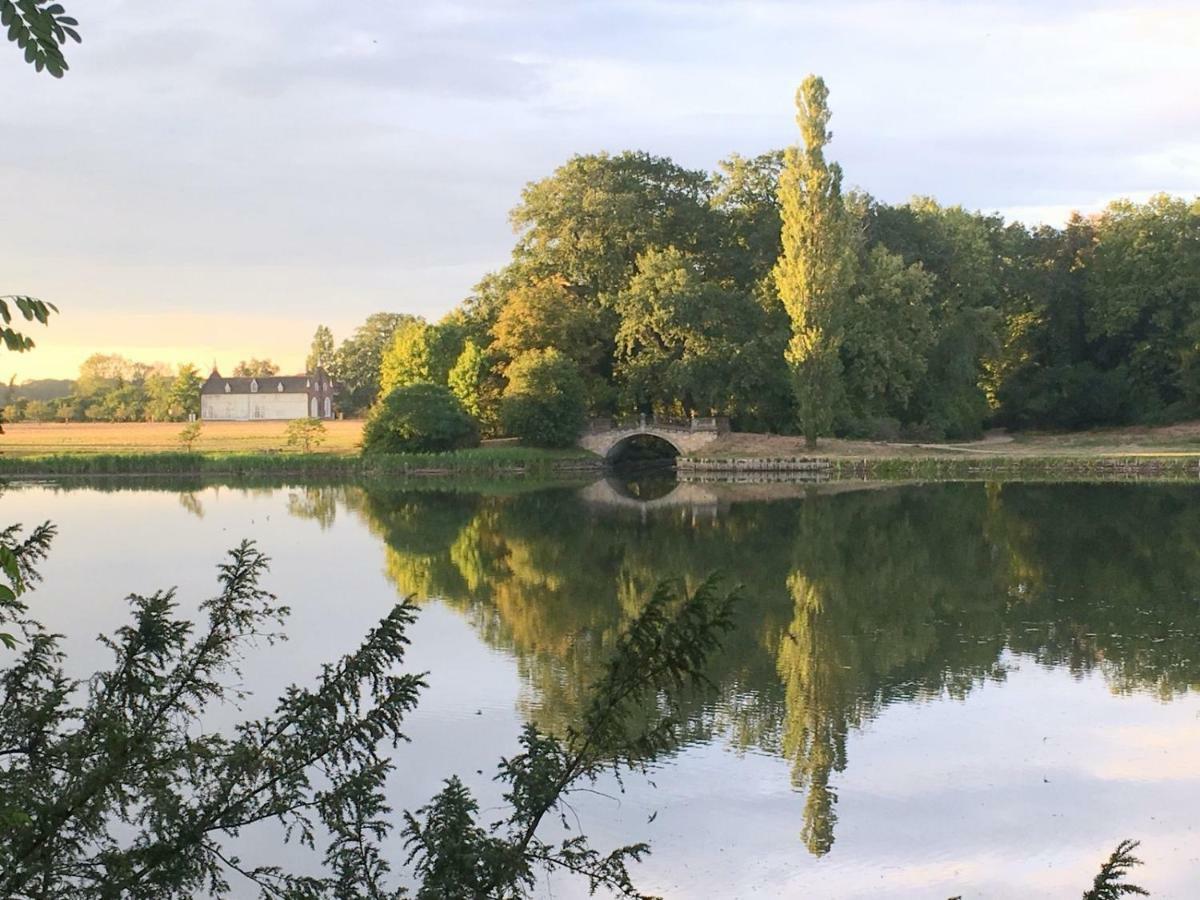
<point>474,383</point>
<point>184,397</point>
<point>543,403</point>
<point>407,359</point>
<point>255,368</point>
<point>358,360</point>
<point>305,434</point>
<point>587,223</point>
<point>686,344</point>
<point>41,28</point>
<point>320,354</point>
<point>886,336</point>
<point>189,434</point>
<point>815,270</point>
<point>419,418</point>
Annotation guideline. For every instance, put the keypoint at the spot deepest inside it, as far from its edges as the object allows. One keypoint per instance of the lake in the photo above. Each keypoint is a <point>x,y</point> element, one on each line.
<point>932,690</point>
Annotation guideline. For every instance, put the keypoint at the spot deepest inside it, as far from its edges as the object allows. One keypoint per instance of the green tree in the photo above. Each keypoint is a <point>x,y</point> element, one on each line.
<point>305,434</point>
<point>321,353</point>
<point>39,411</point>
<point>419,418</point>
<point>544,401</point>
<point>358,360</point>
<point>255,368</point>
<point>189,434</point>
<point>686,344</point>
<point>588,222</point>
<point>184,399</point>
<point>407,360</point>
<point>886,336</point>
<point>815,270</point>
<point>473,381</point>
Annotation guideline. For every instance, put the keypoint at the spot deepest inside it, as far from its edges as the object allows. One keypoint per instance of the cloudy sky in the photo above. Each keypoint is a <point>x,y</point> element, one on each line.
<point>212,180</point>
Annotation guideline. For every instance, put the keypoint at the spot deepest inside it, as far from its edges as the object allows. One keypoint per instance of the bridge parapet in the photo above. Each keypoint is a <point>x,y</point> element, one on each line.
<point>714,424</point>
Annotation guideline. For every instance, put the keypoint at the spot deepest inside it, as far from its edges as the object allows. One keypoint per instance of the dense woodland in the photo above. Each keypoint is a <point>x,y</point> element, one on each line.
<point>668,290</point>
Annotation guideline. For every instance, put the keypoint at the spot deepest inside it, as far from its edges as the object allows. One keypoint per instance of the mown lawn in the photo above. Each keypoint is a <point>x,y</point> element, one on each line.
<point>39,439</point>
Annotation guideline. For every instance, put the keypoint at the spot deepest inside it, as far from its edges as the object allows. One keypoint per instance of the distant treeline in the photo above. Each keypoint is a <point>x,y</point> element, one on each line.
<point>110,388</point>
<point>657,282</point>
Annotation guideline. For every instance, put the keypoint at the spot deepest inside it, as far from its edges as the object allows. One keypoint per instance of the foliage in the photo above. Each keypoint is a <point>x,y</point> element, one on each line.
<point>305,434</point>
<point>255,368</point>
<point>419,418</point>
<point>358,359</point>
<point>30,308</point>
<point>321,353</point>
<point>111,388</point>
<point>473,381</point>
<point>685,343</point>
<point>1110,883</point>
<point>659,657</point>
<point>41,28</point>
<point>189,434</point>
<point>127,750</point>
<point>815,269</point>
<point>543,403</point>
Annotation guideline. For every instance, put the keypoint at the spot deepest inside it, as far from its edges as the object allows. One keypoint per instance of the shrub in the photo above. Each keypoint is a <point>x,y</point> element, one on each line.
<point>544,401</point>
<point>305,434</point>
<point>189,434</point>
<point>419,418</point>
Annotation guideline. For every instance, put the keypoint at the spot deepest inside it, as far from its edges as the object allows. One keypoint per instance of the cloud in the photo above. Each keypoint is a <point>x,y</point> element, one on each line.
<point>381,148</point>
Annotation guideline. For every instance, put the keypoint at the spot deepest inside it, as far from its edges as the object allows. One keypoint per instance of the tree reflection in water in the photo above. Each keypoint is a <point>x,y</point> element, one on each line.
<point>855,601</point>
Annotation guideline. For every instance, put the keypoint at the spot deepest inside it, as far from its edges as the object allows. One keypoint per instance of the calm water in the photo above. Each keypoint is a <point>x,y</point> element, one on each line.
<point>933,690</point>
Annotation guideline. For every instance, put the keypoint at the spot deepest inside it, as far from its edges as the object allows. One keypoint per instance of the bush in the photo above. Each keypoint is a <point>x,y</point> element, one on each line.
<point>305,434</point>
<point>544,403</point>
<point>419,418</point>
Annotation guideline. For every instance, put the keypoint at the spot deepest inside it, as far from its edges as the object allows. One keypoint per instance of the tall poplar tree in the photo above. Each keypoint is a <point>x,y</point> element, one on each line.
<point>815,271</point>
<point>320,354</point>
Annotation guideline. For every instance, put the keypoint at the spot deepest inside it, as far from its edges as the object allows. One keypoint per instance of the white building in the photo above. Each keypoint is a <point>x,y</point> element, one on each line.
<point>267,397</point>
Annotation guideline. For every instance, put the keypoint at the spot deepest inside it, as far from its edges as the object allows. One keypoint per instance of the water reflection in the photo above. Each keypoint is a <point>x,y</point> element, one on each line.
<point>854,600</point>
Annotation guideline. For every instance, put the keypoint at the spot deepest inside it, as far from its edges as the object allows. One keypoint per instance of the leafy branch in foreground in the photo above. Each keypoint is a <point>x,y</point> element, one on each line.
<point>114,787</point>
<point>127,795</point>
<point>1110,883</point>
<point>40,28</point>
<point>631,720</point>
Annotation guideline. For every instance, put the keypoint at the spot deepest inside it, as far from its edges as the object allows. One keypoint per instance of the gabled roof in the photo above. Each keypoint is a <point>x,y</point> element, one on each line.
<point>267,384</point>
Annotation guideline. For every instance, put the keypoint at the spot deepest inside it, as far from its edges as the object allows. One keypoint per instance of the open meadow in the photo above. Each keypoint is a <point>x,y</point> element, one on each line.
<point>41,438</point>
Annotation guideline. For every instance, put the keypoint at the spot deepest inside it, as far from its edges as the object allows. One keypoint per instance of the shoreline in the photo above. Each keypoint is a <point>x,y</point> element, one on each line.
<point>518,462</point>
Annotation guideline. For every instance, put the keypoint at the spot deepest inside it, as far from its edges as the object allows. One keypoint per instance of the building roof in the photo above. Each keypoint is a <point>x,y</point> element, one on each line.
<point>267,384</point>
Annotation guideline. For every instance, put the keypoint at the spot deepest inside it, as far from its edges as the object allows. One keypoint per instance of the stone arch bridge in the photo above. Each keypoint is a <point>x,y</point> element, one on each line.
<point>606,437</point>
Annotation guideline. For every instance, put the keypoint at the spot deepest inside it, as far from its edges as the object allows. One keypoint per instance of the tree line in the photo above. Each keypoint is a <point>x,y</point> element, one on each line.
<point>767,292</point>
<point>112,388</point>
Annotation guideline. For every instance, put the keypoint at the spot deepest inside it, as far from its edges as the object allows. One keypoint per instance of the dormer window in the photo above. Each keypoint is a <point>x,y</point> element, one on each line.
<point>279,387</point>
<point>227,388</point>
<point>254,385</point>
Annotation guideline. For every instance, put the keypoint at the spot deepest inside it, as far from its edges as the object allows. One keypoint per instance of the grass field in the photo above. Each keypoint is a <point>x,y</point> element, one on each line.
<point>39,439</point>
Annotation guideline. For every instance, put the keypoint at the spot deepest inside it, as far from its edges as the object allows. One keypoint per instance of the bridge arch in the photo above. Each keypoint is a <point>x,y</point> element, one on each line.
<point>604,436</point>
<point>626,442</point>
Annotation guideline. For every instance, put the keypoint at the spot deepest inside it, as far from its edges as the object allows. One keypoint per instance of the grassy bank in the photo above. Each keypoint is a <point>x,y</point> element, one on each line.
<point>480,461</point>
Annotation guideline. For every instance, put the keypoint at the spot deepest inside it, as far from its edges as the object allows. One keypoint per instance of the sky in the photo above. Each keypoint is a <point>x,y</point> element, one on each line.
<point>211,181</point>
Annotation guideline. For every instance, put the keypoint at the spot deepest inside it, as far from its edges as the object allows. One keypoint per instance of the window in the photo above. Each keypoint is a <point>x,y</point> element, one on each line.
<point>279,387</point>
<point>227,387</point>
<point>254,386</point>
